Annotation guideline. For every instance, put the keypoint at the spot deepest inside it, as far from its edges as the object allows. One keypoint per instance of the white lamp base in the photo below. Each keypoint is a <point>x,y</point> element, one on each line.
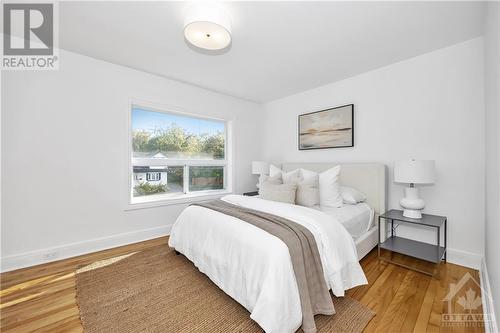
<point>412,204</point>
<point>260,181</point>
<point>412,213</point>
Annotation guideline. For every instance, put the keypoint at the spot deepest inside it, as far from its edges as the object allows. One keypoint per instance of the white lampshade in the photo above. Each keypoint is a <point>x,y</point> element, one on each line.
<point>260,168</point>
<point>414,171</point>
<point>207,26</point>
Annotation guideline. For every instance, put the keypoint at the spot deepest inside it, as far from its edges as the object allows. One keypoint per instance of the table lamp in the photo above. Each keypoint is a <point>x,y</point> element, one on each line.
<point>413,172</point>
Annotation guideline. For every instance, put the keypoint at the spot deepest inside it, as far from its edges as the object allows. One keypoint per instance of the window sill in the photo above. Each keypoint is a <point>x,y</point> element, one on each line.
<point>158,201</point>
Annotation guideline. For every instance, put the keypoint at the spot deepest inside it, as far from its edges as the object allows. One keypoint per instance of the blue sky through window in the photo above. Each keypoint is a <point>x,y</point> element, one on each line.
<point>149,120</point>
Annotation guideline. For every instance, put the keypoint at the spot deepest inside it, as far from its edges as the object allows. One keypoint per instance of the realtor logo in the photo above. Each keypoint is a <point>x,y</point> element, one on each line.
<point>464,304</point>
<point>30,36</point>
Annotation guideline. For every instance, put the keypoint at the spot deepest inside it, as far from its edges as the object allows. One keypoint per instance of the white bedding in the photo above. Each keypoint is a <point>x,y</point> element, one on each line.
<point>357,219</point>
<point>254,267</point>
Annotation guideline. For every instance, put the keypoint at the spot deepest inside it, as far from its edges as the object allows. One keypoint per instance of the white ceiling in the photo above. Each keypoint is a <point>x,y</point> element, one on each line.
<point>278,49</point>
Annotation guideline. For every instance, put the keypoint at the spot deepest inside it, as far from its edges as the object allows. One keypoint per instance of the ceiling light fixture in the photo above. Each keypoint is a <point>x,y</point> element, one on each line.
<point>208,27</point>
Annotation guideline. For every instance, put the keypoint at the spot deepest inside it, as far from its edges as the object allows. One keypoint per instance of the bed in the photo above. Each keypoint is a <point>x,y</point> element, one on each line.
<point>254,267</point>
<point>369,178</point>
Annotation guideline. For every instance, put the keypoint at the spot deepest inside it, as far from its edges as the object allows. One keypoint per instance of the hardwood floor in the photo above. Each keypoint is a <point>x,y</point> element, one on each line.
<point>42,298</point>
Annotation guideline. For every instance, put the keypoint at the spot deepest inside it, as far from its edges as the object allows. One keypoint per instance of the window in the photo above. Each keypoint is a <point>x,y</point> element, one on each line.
<point>153,176</point>
<point>176,156</point>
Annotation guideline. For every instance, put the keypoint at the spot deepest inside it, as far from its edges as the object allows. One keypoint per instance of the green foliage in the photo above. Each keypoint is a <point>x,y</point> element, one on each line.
<point>206,171</point>
<point>175,175</point>
<point>175,139</point>
<point>147,188</point>
<point>140,140</point>
<point>206,178</point>
<point>214,144</point>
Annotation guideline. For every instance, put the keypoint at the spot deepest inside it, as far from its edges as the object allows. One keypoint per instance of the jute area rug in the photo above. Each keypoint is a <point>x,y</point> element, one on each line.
<point>157,291</point>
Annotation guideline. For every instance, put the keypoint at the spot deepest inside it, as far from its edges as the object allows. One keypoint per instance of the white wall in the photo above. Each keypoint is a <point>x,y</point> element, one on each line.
<point>428,107</point>
<point>64,146</point>
<point>492,89</point>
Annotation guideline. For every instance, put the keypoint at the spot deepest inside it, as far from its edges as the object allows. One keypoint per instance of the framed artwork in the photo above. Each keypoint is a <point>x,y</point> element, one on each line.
<point>330,128</point>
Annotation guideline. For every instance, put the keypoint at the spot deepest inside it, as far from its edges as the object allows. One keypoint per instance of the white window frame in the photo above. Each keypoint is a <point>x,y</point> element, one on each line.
<point>177,198</point>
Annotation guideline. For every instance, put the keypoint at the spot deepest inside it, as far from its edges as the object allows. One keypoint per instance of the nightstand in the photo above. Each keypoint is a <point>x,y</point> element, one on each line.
<point>420,250</point>
<point>251,194</point>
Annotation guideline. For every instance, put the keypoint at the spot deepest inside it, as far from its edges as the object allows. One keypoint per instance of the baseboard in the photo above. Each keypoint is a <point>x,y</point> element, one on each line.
<point>464,258</point>
<point>42,256</point>
<point>490,325</point>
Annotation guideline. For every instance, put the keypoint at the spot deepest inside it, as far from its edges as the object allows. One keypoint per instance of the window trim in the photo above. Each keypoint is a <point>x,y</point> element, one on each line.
<point>175,199</point>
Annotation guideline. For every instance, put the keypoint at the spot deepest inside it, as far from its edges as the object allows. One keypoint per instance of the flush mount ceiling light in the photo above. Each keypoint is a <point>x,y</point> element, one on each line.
<point>208,27</point>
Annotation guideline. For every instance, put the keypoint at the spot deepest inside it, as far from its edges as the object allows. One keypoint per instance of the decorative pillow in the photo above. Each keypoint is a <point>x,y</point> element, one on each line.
<point>287,177</point>
<point>281,193</point>
<point>329,188</point>
<point>291,177</point>
<point>308,192</point>
<point>274,170</point>
<point>351,196</point>
<point>276,180</point>
<point>307,173</point>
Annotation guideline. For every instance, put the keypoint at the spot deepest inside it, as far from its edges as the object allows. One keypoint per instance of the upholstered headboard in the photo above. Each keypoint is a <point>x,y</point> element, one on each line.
<point>369,178</point>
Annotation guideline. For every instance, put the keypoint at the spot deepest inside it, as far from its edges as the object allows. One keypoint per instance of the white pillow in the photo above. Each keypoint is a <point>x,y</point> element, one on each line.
<point>352,196</point>
<point>273,171</point>
<point>329,188</point>
<point>288,177</point>
<point>308,173</point>
<point>308,192</point>
<point>276,179</point>
<point>281,193</point>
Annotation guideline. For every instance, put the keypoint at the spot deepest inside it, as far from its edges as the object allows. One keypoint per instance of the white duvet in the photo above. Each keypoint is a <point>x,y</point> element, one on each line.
<point>254,267</point>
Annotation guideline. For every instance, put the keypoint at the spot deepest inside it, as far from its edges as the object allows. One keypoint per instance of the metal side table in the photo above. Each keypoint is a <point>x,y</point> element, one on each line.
<point>420,250</point>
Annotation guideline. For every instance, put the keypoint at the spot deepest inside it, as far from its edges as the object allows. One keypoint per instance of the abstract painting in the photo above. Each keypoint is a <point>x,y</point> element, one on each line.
<point>330,128</point>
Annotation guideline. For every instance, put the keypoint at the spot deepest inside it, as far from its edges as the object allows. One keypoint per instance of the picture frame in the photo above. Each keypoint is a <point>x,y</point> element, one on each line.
<point>327,128</point>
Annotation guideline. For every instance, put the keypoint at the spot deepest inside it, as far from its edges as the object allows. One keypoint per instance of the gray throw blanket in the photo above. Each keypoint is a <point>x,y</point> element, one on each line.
<point>314,294</point>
